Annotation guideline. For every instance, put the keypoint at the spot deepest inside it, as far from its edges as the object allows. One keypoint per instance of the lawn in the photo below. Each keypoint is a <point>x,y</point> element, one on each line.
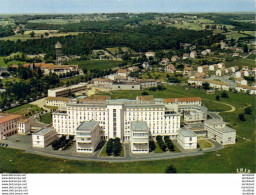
<point>239,155</point>
<point>46,118</point>
<point>14,62</point>
<point>99,64</point>
<point>104,154</point>
<point>158,149</point>
<point>24,109</point>
<point>203,144</point>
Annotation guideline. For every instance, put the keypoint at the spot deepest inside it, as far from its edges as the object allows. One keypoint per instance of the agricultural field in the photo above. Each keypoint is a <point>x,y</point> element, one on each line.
<point>38,33</point>
<point>54,21</point>
<point>236,35</point>
<point>97,64</point>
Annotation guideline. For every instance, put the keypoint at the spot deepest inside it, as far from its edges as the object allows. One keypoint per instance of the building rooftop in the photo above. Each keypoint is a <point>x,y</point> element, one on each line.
<point>215,121</point>
<point>188,99</point>
<point>139,126</point>
<point>6,117</point>
<point>187,133</point>
<point>87,125</point>
<point>44,131</point>
<point>63,99</point>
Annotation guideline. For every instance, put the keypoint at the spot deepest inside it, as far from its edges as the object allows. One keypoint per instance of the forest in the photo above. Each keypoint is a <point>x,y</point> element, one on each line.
<point>141,39</point>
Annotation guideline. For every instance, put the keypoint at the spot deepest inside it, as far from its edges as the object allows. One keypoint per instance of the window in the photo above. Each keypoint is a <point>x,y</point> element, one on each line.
<point>190,139</point>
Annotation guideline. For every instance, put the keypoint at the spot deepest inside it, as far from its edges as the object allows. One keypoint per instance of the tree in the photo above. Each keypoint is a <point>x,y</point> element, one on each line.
<point>224,94</point>
<point>245,48</point>
<point>144,93</point>
<point>32,34</point>
<point>206,86</point>
<point>248,110</point>
<point>241,117</point>
<point>171,169</point>
<point>217,97</point>
<point>225,29</point>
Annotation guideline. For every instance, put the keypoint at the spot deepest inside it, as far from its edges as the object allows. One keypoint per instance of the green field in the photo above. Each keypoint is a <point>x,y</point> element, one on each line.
<point>241,154</point>
<point>203,144</point>
<point>13,62</point>
<point>241,63</point>
<point>99,64</point>
<point>46,118</point>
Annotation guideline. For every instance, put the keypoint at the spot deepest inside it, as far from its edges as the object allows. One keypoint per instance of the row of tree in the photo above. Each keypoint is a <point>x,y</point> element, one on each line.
<point>62,143</point>
<point>113,147</point>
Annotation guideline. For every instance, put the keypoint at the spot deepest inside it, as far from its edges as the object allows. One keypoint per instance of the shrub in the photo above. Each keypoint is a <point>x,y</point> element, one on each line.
<point>171,169</point>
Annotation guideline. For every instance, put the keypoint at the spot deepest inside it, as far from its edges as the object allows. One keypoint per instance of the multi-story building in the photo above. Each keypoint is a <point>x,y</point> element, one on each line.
<point>217,130</point>
<point>187,139</point>
<point>194,114</point>
<point>23,126</point>
<point>139,139</point>
<point>115,117</point>
<point>44,137</point>
<point>88,136</point>
<point>64,91</point>
<point>8,124</point>
<point>59,102</point>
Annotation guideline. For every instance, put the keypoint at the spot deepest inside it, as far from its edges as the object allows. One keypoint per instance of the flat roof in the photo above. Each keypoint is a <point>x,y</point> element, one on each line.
<point>226,129</point>
<point>87,125</point>
<point>215,121</point>
<point>139,125</point>
<point>44,131</point>
<point>186,133</point>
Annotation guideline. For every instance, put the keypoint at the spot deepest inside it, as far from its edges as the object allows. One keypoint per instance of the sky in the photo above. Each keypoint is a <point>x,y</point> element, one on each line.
<point>106,6</point>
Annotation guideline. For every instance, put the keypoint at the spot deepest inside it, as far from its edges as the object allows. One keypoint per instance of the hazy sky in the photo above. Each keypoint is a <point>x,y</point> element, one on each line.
<point>92,6</point>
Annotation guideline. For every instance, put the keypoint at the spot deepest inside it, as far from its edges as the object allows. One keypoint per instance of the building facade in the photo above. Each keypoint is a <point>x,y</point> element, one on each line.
<point>44,137</point>
<point>88,136</point>
<point>115,117</point>
<point>187,139</point>
<point>8,124</point>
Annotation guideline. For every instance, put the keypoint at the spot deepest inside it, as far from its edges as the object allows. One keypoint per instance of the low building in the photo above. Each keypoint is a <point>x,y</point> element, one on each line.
<point>23,126</point>
<point>241,81</point>
<point>126,86</point>
<point>239,74</point>
<point>164,61</point>
<point>139,139</point>
<point>8,124</point>
<point>122,72</point>
<point>185,56</point>
<point>213,84</point>
<point>213,67</point>
<point>175,58</point>
<point>44,137</point>
<point>195,116</point>
<point>221,65</point>
<point>197,101</point>
<point>217,130</point>
<point>234,68</point>
<point>170,69</point>
<point>188,71</point>
<point>64,91</point>
<point>147,83</point>
<point>150,54</point>
<point>187,139</point>
<point>193,54</point>
<point>59,102</point>
<point>220,72</point>
<point>202,69</point>
<point>88,136</point>
<point>246,89</point>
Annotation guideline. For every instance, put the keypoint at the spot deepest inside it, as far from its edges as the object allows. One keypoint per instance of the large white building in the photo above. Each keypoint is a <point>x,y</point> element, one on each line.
<point>115,117</point>
<point>64,91</point>
<point>217,130</point>
<point>88,136</point>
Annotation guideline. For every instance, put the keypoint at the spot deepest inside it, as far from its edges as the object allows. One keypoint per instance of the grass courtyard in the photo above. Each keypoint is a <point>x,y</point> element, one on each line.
<point>24,109</point>
<point>46,118</point>
<point>227,160</point>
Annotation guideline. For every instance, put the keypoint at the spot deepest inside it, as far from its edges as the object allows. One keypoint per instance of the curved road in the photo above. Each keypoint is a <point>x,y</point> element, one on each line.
<point>231,106</point>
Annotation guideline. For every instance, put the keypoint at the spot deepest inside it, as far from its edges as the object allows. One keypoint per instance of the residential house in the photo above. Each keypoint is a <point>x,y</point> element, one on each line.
<point>185,56</point>
<point>213,67</point>
<point>202,69</point>
<point>193,54</point>
<point>170,69</point>
<point>241,81</point>
<point>188,71</point>
<point>221,65</point>
<point>164,61</point>
<point>150,54</point>
<point>220,72</point>
<point>175,58</point>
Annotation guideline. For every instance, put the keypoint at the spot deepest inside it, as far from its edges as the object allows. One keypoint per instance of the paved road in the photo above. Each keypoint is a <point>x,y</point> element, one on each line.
<point>25,143</point>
